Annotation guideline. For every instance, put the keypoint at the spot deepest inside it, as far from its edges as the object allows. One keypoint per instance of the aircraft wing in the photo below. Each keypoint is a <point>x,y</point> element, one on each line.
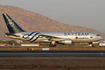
<point>52,38</point>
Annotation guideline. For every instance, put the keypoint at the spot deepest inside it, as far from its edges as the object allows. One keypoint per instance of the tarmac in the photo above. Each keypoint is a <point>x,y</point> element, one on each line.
<point>52,58</point>
<point>72,53</point>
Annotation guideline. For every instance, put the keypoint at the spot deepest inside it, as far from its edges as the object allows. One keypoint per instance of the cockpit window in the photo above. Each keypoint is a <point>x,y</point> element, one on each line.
<point>98,35</point>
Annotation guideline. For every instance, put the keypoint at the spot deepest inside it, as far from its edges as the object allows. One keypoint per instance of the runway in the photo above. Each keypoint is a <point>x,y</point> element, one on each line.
<point>52,53</point>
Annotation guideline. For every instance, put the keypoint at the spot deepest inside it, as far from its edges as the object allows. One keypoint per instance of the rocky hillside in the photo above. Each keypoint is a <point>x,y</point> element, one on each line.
<point>30,21</point>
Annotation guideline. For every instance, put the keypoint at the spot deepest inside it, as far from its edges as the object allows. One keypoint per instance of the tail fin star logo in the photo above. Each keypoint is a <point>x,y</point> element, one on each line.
<point>10,24</point>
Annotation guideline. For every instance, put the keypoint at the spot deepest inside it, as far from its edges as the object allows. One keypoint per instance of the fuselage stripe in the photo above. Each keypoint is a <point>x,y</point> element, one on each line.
<point>33,36</point>
<point>35,39</point>
<point>28,35</point>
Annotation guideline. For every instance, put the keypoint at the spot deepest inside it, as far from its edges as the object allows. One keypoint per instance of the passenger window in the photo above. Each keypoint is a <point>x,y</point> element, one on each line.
<point>65,34</point>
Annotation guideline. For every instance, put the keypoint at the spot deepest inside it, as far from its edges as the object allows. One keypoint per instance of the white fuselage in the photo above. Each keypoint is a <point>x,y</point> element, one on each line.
<point>76,37</point>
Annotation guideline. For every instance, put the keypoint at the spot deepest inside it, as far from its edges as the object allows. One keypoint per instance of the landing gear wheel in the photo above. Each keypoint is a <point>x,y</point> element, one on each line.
<point>53,44</point>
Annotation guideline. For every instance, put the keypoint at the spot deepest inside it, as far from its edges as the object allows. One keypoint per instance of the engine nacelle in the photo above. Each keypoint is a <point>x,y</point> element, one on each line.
<point>67,41</point>
<point>95,42</point>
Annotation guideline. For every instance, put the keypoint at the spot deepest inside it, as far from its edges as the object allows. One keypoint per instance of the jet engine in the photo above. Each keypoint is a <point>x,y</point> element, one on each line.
<point>67,41</point>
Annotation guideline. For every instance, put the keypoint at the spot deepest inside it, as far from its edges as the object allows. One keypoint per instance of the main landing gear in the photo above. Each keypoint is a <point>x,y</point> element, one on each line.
<point>53,44</point>
<point>91,44</point>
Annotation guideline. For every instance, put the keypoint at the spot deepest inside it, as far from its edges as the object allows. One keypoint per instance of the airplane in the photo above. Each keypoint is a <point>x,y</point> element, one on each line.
<point>52,37</point>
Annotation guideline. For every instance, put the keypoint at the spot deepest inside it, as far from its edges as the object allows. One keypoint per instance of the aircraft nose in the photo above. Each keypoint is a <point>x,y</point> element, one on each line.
<point>100,37</point>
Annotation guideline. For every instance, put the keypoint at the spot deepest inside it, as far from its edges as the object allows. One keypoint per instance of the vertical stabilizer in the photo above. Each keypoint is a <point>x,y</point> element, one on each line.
<point>11,25</point>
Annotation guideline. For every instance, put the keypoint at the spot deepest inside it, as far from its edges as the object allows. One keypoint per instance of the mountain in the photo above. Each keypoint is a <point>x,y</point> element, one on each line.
<point>30,21</point>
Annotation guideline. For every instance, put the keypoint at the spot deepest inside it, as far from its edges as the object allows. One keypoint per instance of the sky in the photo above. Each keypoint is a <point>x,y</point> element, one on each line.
<point>85,13</point>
